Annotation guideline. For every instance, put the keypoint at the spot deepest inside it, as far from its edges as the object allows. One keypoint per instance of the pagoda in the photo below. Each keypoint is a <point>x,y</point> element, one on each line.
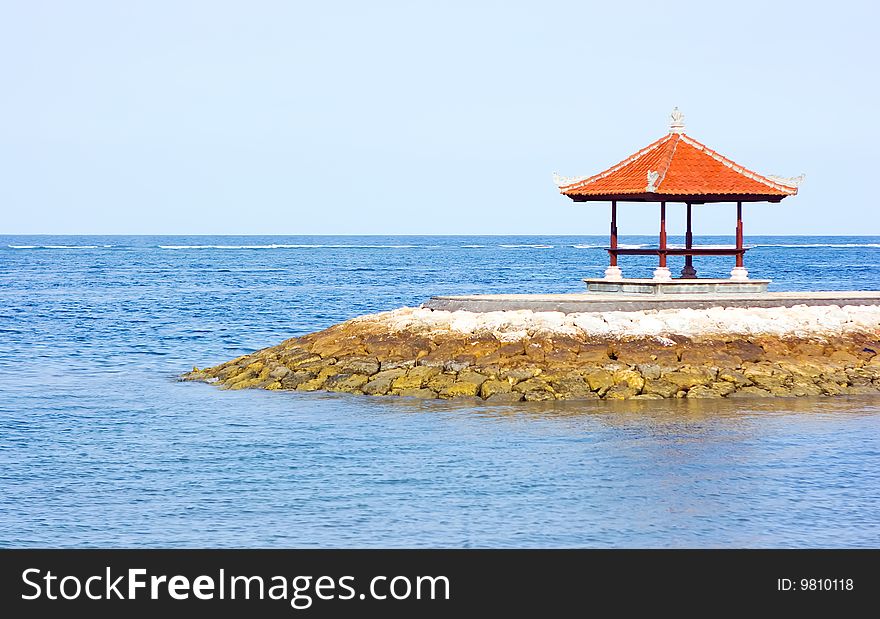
<point>677,168</point>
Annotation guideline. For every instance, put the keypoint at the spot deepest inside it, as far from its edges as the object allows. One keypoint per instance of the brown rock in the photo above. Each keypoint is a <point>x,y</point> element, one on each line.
<point>396,364</point>
<point>358,365</point>
<point>389,374</point>
<point>829,387</point>
<point>450,350</point>
<point>690,376</point>
<point>311,385</point>
<point>593,354</point>
<point>662,388</point>
<point>846,359</point>
<point>345,383</point>
<point>805,389</point>
<point>535,352</point>
<point>600,381</point>
<point>766,376</point>
<point>733,376</point>
<point>645,351</point>
<point>311,363</point>
<point>422,394</point>
<point>703,391</point>
<point>649,370</point>
<point>563,351</point>
<point>620,391</point>
<point>631,378</point>
<point>493,387</point>
<point>533,384</point>
<point>457,365</point>
<point>415,378</point>
<point>327,372</point>
<point>774,348</point>
<point>506,351</point>
<point>441,382</point>
<point>518,374</point>
<point>505,398</point>
<point>335,342</point>
<point>572,386</point>
<point>745,350</point>
<point>859,376</point>
<point>396,346</point>
<point>806,348</point>
<point>279,372</point>
<point>538,396</point>
<point>377,386</point>
<point>469,376</point>
<point>359,356</point>
<point>708,353</point>
<point>458,390</point>
<point>479,347</point>
<point>228,372</point>
<point>294,379</point>
<point>723,388</point>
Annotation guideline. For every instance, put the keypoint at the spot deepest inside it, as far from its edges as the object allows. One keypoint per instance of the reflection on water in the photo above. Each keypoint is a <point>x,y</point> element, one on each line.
<point>673,411</point>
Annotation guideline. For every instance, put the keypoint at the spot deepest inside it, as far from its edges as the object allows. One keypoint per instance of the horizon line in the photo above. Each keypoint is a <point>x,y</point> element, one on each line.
<point>604,235</point>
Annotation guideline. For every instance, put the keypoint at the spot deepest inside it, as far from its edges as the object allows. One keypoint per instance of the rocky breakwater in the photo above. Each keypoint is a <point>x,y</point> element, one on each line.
<point>524,355</point>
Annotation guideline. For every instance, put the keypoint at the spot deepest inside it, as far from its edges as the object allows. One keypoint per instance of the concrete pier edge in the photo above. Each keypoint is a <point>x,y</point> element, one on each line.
<point>605,302</point>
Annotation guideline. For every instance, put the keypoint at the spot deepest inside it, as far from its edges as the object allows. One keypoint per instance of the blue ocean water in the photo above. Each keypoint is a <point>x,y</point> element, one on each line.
<point>101,446</point>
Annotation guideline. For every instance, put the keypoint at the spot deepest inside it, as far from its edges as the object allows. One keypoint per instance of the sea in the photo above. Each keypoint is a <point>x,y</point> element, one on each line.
<point>102,446</point>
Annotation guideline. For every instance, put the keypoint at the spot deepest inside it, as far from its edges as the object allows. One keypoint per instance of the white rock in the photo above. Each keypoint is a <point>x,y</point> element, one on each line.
<point>802,321</point>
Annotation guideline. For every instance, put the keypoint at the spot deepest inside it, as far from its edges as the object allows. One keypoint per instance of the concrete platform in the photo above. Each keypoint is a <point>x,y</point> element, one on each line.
<point>677,286</point>
<point>609,302</point>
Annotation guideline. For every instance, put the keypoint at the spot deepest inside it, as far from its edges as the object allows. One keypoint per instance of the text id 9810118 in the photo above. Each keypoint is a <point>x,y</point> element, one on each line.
<point>815,584</point>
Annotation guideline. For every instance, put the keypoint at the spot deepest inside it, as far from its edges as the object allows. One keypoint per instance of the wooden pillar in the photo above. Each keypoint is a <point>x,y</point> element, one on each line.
<point>689,239</point>
<point>688,272</point>
<point>613,244</point>
<point>739,233</point>
<point>663,234</point>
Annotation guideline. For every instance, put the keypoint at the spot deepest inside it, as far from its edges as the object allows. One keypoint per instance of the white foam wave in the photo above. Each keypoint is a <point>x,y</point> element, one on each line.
<point>53,246</point>
<point>701,246</point>
<point>817,245</point>
<point>525,246</point>
<point>287,246</point>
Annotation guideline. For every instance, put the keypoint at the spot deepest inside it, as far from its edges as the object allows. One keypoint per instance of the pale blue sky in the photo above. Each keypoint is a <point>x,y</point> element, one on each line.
<point>325,117</point>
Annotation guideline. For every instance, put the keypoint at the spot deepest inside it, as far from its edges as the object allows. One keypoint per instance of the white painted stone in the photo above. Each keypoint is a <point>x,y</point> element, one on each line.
<point>613,274</point>
<point>739,274</point>
<point>800,321</point>
<point>662,274</point>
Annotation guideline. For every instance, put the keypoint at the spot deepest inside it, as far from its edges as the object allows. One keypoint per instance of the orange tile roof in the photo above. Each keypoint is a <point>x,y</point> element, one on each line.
<point>677,166</point>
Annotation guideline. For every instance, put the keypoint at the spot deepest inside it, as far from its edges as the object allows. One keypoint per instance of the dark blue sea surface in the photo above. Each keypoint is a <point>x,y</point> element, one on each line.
<point>101,446</point>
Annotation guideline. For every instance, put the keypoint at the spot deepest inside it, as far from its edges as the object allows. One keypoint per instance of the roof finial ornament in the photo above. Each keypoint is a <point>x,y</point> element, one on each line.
<point>677,124</point>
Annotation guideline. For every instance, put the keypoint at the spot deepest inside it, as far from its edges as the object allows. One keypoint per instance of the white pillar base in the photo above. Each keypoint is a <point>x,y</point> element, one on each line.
<point>613,274</point>
<point>739,274</point>
<point>662,274</point>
